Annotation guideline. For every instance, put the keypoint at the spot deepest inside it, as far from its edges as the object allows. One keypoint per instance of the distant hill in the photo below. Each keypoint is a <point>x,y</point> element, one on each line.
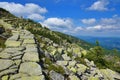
<point>106,42</point>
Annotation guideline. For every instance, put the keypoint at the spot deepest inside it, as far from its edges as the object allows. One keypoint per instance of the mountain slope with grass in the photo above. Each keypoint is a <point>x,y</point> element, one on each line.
<point>31,51</point>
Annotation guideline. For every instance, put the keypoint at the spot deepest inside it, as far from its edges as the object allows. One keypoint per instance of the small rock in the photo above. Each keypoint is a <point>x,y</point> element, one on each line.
<point>65,57</point>
<point>72,63</point>
<point>62,63</point>
<point>74,70</point>
<point>5,77</point>
<point>81,68</point>
<point>93,78</point>
<point>56,76</point>
<point>73,77</point>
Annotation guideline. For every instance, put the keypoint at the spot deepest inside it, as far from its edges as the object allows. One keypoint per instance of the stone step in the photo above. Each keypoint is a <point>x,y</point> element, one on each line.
<point>31,68</point>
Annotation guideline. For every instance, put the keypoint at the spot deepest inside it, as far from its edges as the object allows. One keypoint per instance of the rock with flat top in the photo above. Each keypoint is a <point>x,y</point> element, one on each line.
<point>30,68</point>
<point>81,68</point>
<point>56,76</point>
<point>41,77</point>
<point>4,64</point>
<point>31,56</point>
<point>14,37</point>
<point>66,57</point>
<point>29,41</point>
<point>73,77</point>
<point>62,63</point>
<point>10,43</point>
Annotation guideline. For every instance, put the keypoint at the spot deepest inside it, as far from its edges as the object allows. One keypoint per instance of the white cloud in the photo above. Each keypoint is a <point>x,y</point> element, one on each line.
<point>23,10</point>
<point>96,27</point>
<point>100,5</point>
<point>89,21</point>
<point>58,23</point>
<point>36,17</point>
<point>106,24</point>
<point>103,25</point>
<point>77,29</point>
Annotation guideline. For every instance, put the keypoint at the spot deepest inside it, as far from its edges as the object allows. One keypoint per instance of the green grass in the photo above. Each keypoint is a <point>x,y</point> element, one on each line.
<point>2,42</point>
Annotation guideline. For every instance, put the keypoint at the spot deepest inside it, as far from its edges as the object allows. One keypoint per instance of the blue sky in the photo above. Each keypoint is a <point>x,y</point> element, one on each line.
<point>75,17</point>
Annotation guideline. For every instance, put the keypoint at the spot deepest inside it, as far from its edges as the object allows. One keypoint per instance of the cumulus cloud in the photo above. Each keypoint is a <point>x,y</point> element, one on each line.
<point>77,29</point>
<point>106,24</point>
<point>89,21</point>
<point>58,23</point>
<point>109,25</point>
<point>29,9</point>
<point>99,26</point>
<point>35,17</point>
<point>100,5</point>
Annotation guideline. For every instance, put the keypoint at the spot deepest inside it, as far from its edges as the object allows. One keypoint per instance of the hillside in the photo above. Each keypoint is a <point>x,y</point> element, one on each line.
<point>30,51</point>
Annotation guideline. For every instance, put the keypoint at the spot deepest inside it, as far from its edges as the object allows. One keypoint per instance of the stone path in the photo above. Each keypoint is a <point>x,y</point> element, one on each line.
<point>19,60</point>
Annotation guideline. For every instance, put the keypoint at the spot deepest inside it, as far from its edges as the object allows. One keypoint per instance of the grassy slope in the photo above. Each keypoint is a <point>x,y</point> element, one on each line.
<point>37,28</point>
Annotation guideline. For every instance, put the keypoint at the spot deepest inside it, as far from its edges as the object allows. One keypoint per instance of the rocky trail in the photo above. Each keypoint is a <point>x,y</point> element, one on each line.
<point>20,59</point>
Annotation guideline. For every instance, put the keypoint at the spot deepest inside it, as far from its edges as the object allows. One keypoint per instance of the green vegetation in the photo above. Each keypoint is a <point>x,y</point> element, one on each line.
<point>57,68</point>
<point>2,41</point>
<point>5,13</point>
<point>81,60</point>
<point>101,58</point>
<point>51,66</point>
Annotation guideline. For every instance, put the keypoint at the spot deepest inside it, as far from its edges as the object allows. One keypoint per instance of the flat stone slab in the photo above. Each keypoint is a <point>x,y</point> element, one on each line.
<point>30,45</point>
<point>8,71</point>
<point>30,68</point>
<point>10,43</point>
<point>31,56</point>
<point>17,76</point>
<point>4,64</point>
<point>41,77</point>
<point>5,55</point>
<point>31,49</point>
<point>14,37</point>
<point>29,41</point>
<point>14,50</point>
